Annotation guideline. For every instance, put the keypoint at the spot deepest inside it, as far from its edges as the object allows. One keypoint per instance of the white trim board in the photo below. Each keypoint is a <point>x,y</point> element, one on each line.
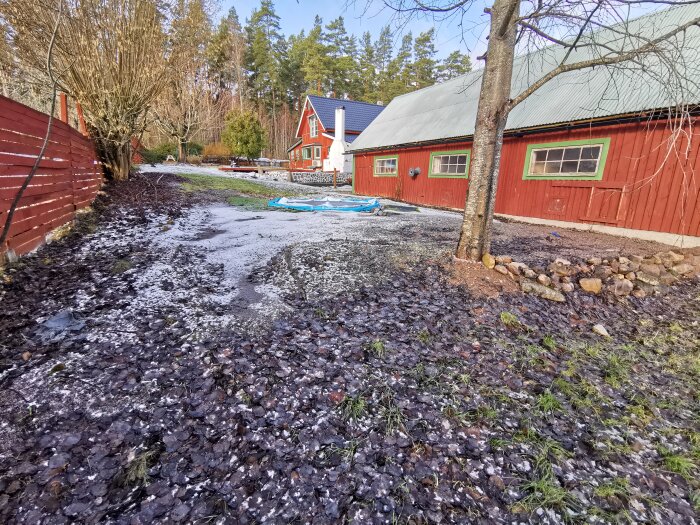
<point>672,239</point>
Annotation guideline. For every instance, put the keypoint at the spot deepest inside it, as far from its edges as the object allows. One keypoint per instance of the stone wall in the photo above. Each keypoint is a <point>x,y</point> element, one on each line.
<point>320,178</point>
<point>619,276</point>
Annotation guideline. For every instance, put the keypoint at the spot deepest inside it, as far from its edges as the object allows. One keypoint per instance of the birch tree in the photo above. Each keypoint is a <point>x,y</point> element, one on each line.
<point>527,25</point>
<point>108,55</point>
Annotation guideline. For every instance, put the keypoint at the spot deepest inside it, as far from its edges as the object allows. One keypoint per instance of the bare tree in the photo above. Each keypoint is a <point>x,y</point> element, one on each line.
<point>49,69</point>
<point>108,56</point>
<point>583,35</point>
<point>187,106</point>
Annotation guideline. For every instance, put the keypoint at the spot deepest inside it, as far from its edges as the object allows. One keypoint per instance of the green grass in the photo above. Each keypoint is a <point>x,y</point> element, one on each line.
<point>353,407</point>
<point>677,463</point>
<point>547,402</point>
<point>249,203</point>
<point>391,414</point>
<point>136,472</point>
<point>510,320</point>
<point>246,187</point>
<point>549,343</point>
<point>617,487</point>
<point>378,348</point>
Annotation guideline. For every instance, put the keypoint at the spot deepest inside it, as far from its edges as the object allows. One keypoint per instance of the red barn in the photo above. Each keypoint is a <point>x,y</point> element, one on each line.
<point>317,129</point>
<point>613,149</point>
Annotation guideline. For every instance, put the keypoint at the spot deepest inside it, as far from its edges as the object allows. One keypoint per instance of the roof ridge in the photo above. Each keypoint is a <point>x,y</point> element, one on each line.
<point>347,100</point>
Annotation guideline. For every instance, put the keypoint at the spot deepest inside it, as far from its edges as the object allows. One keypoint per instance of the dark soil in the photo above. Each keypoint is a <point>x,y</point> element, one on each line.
<point>408,401</point>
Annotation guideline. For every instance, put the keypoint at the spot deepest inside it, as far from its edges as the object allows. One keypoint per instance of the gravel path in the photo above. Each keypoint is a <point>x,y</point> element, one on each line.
<point>140,384</point>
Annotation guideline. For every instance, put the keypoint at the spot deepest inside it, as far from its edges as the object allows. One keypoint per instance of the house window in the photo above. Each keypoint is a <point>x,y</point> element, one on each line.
<point>313,126</point>
<point>317,152</point>
<point>306,153</point>
<point>573,160</point>
<point>449,164</point>
<point>386,166</point>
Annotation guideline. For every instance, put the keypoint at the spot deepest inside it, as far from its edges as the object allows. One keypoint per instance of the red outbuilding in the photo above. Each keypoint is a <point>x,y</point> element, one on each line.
<point>613,149</point>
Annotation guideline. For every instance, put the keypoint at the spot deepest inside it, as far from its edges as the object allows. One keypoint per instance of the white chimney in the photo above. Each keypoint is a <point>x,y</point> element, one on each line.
<point>337,160</point>
<point>340,123</point>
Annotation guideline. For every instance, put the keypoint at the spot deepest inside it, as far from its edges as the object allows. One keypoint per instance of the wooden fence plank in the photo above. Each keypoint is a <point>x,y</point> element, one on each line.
<point>68,177</point>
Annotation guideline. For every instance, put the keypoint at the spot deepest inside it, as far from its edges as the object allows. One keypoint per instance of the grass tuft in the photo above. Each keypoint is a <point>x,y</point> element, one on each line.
<point>509,320</point>
<point>246,187</point>
<point>353,407</point>
<point>547,402</point>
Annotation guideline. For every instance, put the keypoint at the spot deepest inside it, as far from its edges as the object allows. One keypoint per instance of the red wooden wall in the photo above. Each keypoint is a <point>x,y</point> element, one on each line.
<point>68,177</point>
<point>646,185</point>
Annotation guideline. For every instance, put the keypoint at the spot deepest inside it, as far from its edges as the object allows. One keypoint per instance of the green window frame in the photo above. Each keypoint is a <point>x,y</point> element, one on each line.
<point>585,149</point>
<point>432,174</point>
<point>394,173</point>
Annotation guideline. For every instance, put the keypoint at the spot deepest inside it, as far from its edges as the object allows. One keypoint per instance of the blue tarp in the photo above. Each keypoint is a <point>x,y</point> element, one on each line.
<point>326,204</point>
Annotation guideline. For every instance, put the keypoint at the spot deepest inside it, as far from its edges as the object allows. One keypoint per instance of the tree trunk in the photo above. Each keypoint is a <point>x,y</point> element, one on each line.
<point>181,151</point>
<point>116,159</point>
<point>491,116</point>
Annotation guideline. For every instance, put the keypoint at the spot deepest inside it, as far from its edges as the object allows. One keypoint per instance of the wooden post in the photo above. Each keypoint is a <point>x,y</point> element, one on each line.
<point>335,176</point>
<point>82,127</point>
<point>63,107</point>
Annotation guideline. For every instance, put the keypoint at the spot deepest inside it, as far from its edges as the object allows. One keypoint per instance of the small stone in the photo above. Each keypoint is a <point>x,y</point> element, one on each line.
<point>595,261</point>
<point>636,258</point>
<point>544,279</point>
<point>503,259</point>
<point>631,276</point>
<point>26,356</point>
<point>600,330</point>
<point>567,287</point>
<point>639,293</point>
<point>529,273</point>
<point>516,268</point>
<point>591,284</point>
<point>501,269</point>
<point>671,256</point>
<point>488,260</point>
<point>497,481</point>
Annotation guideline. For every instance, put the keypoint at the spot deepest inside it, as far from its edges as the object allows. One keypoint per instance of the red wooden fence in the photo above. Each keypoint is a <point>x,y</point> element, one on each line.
<point>68,178</point>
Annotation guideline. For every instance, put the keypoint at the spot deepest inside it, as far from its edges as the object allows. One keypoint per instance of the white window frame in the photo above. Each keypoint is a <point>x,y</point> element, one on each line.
<point>532,165</point>
<point>317,152</point>
<point>380,168</point>
<point>304,155</point>
<point>313,126</point>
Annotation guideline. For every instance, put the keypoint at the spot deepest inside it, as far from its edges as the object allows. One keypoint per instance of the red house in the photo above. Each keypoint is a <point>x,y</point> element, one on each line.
<point>317,129</point>
<point>597,147</point>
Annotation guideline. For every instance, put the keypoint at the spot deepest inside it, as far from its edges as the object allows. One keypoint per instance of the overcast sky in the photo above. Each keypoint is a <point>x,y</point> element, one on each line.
<point>361,16</point>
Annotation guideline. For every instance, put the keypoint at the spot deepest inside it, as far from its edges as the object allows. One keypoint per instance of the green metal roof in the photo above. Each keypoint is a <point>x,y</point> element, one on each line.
<point>448,110</point>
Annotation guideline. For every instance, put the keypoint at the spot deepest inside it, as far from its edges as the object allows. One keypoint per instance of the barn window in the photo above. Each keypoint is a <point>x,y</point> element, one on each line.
<point>449,164</point>
<point>386,166</point>
<point>306,153</point>
<point>313,126</point>
<point>573,160</point>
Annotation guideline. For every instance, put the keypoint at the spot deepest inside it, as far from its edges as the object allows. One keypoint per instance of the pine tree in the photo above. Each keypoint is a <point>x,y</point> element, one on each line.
<point>341,50</point>
<point>425,65</point>
<point>398,79</point>
<point>316,63</point>
<point>454,65</point>
<point>226,56</point>
<point>367,85</point>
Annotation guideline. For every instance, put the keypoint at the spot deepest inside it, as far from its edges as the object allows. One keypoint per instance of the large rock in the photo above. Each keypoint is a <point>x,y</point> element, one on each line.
<point>683,269</point>
<point>488,260</point>
<point>650,269</point>
<point>671,257</point>
<point>591,284</point>
<point>550,294</point>
<point>667,279</point>
<point>653,280</point>
<point>595,261</point>
<point>622,287</point>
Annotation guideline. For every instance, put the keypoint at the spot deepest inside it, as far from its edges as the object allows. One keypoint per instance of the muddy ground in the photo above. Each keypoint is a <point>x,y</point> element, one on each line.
<point>177,359</point>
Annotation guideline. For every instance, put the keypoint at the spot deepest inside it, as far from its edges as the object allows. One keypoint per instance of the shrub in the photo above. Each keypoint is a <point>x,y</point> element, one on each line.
<point>216,149</point>
<point>194,159</point>
<point>244,134</point>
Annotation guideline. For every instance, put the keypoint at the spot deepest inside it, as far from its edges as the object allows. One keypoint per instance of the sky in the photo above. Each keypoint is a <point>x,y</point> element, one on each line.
<point>368,15</point>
